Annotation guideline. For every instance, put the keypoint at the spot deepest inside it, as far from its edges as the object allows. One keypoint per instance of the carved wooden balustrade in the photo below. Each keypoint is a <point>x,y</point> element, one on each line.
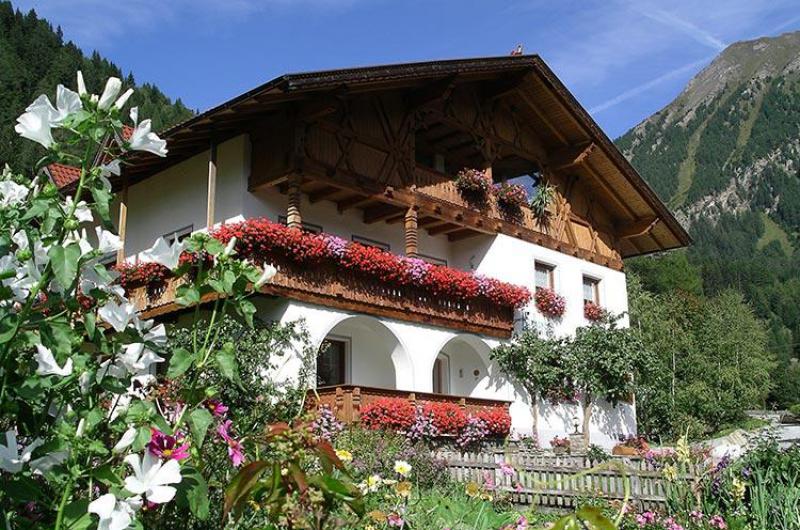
<point>335,287</point>
<point>346,401</point>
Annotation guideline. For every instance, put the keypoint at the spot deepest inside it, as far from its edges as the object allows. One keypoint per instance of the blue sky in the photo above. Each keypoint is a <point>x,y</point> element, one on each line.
<point>624,60</point>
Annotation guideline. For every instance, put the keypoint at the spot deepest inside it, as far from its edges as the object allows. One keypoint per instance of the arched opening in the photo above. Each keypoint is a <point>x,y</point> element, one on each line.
<point>462,369</point>
<point>361,350</point>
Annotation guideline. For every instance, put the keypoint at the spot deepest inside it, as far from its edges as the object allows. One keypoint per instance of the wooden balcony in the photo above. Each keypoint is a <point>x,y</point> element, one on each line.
<point>334,287</point>
<point>346,401</point>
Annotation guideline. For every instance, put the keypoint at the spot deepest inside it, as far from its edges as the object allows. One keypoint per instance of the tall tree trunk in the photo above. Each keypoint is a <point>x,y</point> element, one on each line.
<point>535,415</point>
<point>587,417</point>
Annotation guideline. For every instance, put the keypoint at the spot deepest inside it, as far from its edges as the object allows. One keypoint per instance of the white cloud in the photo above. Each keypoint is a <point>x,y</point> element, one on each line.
<point>645,87</point>
<point>680,24</point>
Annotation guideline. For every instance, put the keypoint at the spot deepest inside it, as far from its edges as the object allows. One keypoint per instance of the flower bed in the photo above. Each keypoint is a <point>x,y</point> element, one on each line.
<point>263,241</point>
<point>549,303</point>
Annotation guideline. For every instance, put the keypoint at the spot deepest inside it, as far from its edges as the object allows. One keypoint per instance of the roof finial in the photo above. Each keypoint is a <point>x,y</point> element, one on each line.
<point>518,50</point>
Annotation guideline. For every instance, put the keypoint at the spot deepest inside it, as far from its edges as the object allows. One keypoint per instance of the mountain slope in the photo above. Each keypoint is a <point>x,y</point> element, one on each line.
<point>725,156</point>
<point>34,58</point>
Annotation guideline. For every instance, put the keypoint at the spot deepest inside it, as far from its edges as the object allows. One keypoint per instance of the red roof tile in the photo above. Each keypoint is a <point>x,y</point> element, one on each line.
<point>63,175</point>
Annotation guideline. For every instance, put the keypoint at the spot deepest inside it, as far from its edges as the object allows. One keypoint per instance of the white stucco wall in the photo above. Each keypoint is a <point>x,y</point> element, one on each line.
<point>385,352</point>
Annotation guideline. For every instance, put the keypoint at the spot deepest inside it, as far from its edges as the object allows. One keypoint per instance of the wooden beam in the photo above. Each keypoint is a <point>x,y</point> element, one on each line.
<point>379,212</point>
<point>569,156</point>
<point>462,234</point>
<point>436,91</point>
<point>503,87</point>
<point>637,228</point>
<point>353,202</point>
<point>319,108</point>
<point>444,229</point>
<point>323,193</point>
<point>212,184</point>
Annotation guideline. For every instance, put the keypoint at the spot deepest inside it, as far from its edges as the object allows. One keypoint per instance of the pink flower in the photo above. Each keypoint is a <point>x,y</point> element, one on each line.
<point>518,487</point>
<point>645,518</point>
<point>717,522</point>
<point>168,447</point>
<point>235,449</point>
<point>488,481</point>
<point>507,469</point>
<point>216,407</point>
<point>696,516</point>
<point>395,520</point>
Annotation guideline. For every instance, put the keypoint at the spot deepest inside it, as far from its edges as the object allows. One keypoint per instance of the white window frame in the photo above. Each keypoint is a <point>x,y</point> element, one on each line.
<point>553,273</point>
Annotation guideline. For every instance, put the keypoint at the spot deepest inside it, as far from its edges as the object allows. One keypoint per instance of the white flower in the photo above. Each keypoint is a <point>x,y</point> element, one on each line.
<point>81,84</point>
<point>162,253</point>
<point>92,278</point>
<point>143,139</point>
<point>123,99</point>
<point>67,102</point>
<point>82,211</point>
<point>10,458</point>
<point>49,461</point>
<point>266,276</point>
<point>117,315</point>
<point>402,467</point>
<point>113,86</point>
<point>114,514</point>
<point>47,363</point>
<point>151,477</point>
<point>125,441</point>
<point>35,125</point>
<point>229,247</point>
<point>156,335</point>
<point>107,241</point>
<point>12,193</point>
<point>137,359</point>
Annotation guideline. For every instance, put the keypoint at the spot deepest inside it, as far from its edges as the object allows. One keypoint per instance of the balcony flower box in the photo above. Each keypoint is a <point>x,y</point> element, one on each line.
<point>473,184</point>
<point>549,303</point>
<point>593,312</point>
<point>511,197</point>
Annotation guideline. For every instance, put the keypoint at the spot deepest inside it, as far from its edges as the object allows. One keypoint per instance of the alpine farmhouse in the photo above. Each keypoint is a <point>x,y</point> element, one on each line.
<point>370,155</point>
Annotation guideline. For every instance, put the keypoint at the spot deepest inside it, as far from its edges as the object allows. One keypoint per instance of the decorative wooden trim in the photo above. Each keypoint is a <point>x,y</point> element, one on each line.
<point>293,217</point>
<point>410,233</point>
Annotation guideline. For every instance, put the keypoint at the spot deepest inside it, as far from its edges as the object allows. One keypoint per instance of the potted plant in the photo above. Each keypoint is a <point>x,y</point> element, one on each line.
<point>545,193</point>
<point>560,445</point>
<point>474,184</point>
<point>631,446</point>
<point>510,198</point>
<point>592,311</point>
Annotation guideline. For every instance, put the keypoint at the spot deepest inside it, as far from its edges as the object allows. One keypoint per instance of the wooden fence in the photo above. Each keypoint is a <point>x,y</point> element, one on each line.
<point>559,481</point>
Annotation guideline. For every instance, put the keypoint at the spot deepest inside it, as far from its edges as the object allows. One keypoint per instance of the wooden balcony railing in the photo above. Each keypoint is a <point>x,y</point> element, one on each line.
<point>334,287</point>
<point>346,401</point>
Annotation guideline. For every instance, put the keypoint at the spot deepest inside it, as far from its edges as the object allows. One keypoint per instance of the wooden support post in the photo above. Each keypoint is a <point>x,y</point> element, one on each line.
<point>293,217</point>
<point>411,233</point>
<point>123,222</point>
<point>212,184</point>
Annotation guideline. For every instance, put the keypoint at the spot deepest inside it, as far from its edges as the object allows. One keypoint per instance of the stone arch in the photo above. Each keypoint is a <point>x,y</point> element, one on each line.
<point>471,371</point>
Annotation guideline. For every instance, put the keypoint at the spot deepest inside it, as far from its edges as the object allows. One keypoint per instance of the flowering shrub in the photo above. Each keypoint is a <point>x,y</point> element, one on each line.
<point>423,427</point>
<point>559,442</point>
<point>396,414</point>
<point>592,311</point>
<point>511,196</point>
<point>473,433</point>
<point>261,240</point>
<point>498,421</point>
<point>549,303</point>
<point>473,182</point>
<point>326,425</point>
<point>448,418</point>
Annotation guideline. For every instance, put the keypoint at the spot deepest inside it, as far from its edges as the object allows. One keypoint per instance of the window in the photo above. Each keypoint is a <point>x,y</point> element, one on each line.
<point>332,363</point>
<point>544,276</point>
<point>307,227</point>
<point>367,242</point>
<point>591,290</point>
<point>432,260</point>
<point>178,235</point>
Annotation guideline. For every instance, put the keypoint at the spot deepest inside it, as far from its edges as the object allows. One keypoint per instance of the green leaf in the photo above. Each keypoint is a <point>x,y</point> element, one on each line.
<point>89,324</point>
<point>142,438</point>
<point>214,246</point>
<point>246,309</point>
<point>105,475</point>
<point>76,516</point>
<point>188,295</point>
<point>64,261</point>
<point>241,485</point>
<point>199,421</point>
<point>102,199</point>
<point>196,492</point>
<point>594,518</point>
<point>9,322</point>
<point>180,361</point>
<point>226,361</point>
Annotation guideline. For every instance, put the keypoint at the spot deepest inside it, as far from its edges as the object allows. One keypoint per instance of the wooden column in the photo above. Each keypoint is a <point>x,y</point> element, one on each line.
<point>122,225</point>
<point>293,217</point>
<point>212,183</point>
<point>411,233</point>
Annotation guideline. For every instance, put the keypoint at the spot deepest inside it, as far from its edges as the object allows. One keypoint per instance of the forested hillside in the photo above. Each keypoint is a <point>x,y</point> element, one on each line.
<point>725,155</point>
<point>34,58</point>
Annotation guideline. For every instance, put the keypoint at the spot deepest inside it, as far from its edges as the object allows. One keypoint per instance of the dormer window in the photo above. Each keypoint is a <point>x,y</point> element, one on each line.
<point>544,277</point>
